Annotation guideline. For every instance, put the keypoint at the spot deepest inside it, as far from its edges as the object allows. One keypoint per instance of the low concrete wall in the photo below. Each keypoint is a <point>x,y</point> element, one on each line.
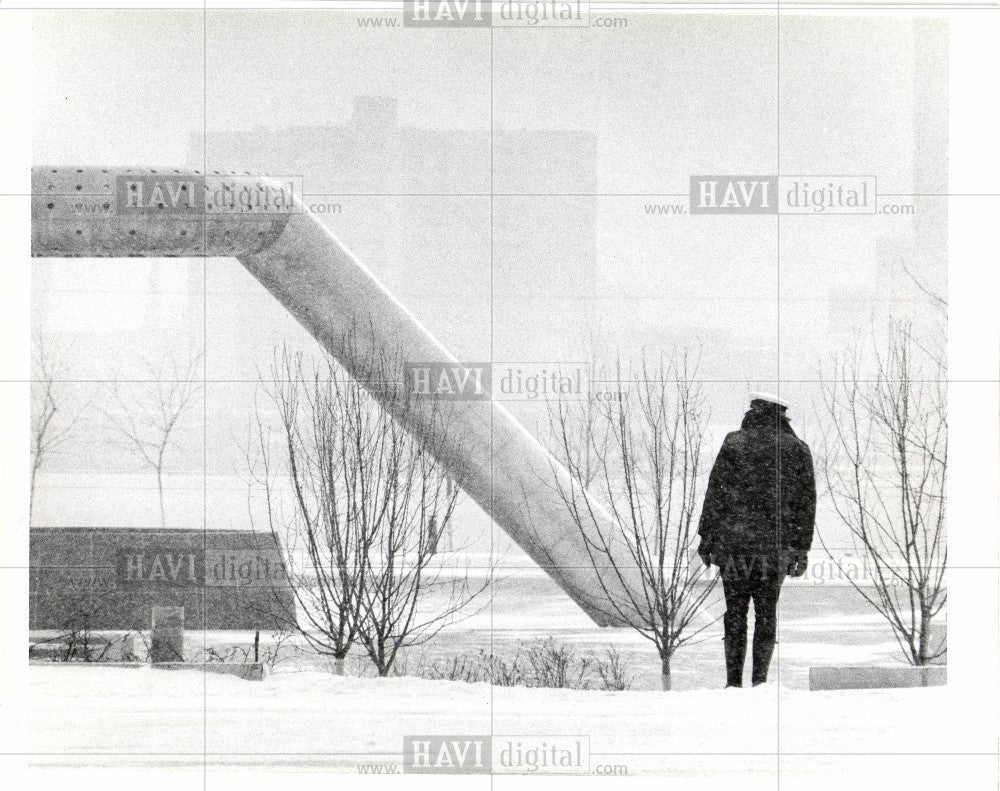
<point>98,648</point>
<point>248,671</point>
<point>828,678</point>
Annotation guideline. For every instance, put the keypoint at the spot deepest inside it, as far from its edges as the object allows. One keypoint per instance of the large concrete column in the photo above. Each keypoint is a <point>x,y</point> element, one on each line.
<point>333,295</point>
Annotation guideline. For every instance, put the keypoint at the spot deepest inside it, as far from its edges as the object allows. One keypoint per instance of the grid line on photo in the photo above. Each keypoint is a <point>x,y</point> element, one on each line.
<point>777,452</point>
<point>204,370</point>
<point>652,6</point>
<point>492,600</point>
<point>529,195</point>
<point>735,380</point>
<point>390,753</point>
<point>739,380</point>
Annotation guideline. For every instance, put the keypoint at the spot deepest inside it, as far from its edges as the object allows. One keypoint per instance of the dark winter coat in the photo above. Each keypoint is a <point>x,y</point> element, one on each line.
<point>741,514</point>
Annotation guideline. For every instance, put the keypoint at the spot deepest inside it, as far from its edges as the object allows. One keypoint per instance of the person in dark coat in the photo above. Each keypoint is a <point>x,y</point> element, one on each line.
<point>757,527</point>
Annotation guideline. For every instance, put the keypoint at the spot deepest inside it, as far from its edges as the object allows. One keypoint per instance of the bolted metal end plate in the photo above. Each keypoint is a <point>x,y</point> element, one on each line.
<point>154,212</point>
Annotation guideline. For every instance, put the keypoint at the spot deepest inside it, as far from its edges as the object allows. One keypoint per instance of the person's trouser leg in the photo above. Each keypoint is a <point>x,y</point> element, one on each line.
<point>764,591</point>
<point>734,623</point>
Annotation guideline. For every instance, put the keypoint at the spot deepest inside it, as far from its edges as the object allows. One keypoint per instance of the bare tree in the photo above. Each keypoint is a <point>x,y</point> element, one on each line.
<point>369,504</point>
<point>409,595</point>
<point>52,419</point>
<point>885,464</point>
<point>640,454</point>
<point>324,431</point>
<point>144,416</point>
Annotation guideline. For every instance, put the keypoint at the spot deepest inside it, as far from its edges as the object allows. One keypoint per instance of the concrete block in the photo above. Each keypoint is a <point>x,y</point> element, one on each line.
<point>109,578</point>
<point>167,644</point>
<point>880,677</point>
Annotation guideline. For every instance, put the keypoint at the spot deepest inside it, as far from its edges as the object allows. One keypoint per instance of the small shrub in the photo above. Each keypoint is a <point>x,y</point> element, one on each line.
<point>612,672</point>
<point>223,653</point>
<point>503,673</point>
<point>277,650</point>
<point>541,663</point>
<point>269,655</point>
<point>557,666</point>
<point>459,668</point>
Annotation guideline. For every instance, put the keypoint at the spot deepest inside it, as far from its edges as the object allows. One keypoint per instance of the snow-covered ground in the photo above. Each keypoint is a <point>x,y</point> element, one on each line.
<point>318,721</point>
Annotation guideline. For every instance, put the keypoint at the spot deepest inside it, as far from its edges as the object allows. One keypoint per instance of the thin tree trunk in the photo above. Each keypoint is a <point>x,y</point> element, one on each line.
<point>925,635</point>
<point>338,666</point>
<point>159,489</point>
<point>36,463</point>
<point>665,678</point>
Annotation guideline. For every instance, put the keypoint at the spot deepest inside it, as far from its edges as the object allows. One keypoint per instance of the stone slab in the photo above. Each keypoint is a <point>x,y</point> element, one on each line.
<point>879,677</point>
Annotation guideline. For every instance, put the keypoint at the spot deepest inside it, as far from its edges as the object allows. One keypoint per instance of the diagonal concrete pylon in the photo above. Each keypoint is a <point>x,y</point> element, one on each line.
<point>165,212</point>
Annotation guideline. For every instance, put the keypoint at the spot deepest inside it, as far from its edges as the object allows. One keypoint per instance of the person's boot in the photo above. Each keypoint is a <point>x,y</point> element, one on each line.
<point>762,651</point>
<point>736,651</point>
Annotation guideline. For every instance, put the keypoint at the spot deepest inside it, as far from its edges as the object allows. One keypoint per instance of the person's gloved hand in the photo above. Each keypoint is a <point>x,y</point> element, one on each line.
<point>706,555</point>
<point>797,564</point>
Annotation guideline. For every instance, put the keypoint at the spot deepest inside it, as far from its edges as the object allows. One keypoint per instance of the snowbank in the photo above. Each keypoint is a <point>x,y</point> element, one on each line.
<point>311,719</point>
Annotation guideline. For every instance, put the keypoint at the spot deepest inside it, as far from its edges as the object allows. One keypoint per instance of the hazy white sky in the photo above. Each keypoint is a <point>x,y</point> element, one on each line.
<point>670,96</point>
